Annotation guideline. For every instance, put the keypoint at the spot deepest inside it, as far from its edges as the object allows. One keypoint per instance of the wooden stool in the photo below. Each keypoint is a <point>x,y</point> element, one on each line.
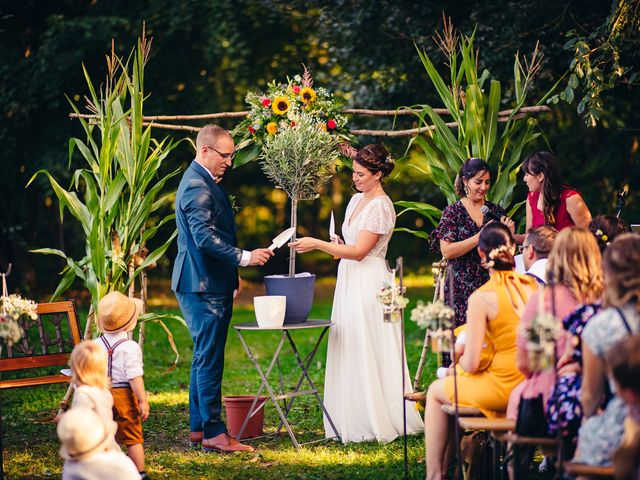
<point>496,427</point>
<point>416,396</point>
<point>598,471</point>
<point>462,411</point>
<point>527,445</point>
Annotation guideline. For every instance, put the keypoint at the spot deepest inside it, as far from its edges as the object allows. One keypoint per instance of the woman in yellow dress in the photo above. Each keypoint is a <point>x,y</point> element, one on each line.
<point>493,316</point>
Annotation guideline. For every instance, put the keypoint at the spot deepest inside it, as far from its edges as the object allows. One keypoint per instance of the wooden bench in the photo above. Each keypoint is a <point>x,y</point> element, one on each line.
<point>576,469</point>
<point>47,342</point>
<point>416,396</point>
<point>462,411</point>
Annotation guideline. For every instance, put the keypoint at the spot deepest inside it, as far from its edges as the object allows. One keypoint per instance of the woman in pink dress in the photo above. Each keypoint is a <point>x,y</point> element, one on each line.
<point>550,201</point>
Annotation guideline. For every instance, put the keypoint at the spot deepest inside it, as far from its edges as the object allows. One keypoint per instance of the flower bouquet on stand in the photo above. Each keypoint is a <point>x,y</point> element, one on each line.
<point>437,318</point>
<point>393,301</point>
<point>541,337</point>
<point>280,108</point>
<point>13,310</point>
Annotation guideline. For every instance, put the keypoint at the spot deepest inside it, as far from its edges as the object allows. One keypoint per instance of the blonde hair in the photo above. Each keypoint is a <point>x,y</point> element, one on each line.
<point>89,365</point>
<point>576,263</point>
<point>622,271</point>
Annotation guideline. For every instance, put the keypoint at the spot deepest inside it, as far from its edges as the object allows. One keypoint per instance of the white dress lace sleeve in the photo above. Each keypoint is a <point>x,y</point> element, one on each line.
<point>380,217</point>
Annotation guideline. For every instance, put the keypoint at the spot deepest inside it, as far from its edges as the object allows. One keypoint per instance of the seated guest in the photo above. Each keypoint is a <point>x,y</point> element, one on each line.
<point>492,317</point>
<point>535,250</point>
<point>624,362</point>
<point>575,266</point>
<point>601,430</point>
<point>86,448</point>
<point>605,228</point>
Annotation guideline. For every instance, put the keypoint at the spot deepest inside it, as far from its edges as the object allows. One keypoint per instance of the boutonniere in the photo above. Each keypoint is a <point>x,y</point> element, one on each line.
<point>234,205</point>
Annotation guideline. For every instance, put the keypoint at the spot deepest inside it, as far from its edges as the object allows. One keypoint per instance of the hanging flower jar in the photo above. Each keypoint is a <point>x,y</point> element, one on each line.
<point>437,318</point>
<point>393,302</point>
<point>541,336</point>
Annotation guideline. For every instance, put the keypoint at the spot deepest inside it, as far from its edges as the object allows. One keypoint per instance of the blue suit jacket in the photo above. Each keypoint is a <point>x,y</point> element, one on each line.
<point>207,258</point>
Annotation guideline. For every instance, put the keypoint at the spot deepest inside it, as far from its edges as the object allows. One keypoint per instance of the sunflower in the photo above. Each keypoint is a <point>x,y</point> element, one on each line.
<point>280,105</point>
<point>307,95</point>
<point>272,128</point>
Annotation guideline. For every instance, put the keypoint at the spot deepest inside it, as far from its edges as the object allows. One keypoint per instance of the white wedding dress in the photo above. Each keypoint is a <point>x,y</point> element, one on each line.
<point>363,382</point>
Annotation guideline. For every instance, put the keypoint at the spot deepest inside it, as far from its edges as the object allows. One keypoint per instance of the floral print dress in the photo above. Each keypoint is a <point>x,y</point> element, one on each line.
<point>564,410</point>
<point>468,275</point>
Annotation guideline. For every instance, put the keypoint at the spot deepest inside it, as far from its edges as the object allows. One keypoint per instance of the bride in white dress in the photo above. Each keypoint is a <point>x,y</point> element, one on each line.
<point>363,380</point>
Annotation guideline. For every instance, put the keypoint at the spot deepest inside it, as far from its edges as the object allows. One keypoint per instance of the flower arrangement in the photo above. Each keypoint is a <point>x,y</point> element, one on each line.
<point>541,336</point>
<point>12,309</point>
<point>433,316</point>
<point>393,301</point>
<point>280,108</point>
<point>437,318</point>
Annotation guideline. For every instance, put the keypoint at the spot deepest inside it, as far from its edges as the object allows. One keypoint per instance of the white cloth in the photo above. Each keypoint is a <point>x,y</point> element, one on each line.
<point>519,268</point>
<point>108,465</point>
<point>100,401</point>
<point>126,363</point>
<point>363,384</point>
<point>539,269</point>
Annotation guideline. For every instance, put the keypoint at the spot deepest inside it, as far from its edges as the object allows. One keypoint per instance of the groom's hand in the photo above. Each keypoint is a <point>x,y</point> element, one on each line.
<point>259,256</point>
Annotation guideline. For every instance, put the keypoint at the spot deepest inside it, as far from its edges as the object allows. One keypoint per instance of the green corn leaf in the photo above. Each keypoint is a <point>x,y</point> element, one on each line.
<point>417,233</point>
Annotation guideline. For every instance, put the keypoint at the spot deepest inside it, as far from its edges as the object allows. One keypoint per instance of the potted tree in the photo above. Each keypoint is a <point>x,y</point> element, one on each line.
<point>299,159</point>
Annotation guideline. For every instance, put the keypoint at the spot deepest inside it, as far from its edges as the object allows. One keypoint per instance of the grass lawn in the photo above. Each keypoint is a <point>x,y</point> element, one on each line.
<point>31,445</point>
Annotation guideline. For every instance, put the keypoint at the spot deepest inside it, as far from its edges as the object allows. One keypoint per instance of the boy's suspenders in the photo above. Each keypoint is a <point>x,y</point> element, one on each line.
<point>110,351</point>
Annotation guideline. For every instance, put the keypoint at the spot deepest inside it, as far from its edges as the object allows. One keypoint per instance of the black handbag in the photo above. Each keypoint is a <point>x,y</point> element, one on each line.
<point>531,421</point>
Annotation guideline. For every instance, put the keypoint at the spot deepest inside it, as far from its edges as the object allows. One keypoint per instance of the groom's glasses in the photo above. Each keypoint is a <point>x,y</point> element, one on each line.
<point>230,156</point>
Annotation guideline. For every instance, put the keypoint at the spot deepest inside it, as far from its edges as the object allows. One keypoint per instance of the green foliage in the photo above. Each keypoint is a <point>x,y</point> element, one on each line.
<point>479,128</point>
<point>115,195</point>
<point>298,160</point>
<point>598,63</point>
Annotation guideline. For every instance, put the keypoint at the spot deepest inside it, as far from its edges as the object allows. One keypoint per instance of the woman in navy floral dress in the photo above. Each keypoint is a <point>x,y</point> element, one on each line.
<point>564,410</point>
<point>458,233</point>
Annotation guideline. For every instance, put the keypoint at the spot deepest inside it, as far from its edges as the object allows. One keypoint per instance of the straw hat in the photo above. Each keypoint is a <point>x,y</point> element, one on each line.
<point>83,433</point>
<point>117,312</point>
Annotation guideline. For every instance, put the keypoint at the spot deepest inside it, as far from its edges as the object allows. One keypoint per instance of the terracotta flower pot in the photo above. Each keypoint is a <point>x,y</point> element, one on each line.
<point>237,407</point>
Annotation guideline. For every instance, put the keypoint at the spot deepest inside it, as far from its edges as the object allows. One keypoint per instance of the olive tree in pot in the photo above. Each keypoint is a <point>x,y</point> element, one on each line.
<point>299,159</point>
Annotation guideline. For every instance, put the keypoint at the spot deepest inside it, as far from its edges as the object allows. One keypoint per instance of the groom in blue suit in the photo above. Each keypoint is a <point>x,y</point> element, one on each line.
<point>205,280</point>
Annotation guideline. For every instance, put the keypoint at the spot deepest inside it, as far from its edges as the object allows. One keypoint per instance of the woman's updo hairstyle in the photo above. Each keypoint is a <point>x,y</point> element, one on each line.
<point>622,271</point>
<point>605,228</point>
<point>469,169</point>
<point>375,158</point>
<point>496,241</point>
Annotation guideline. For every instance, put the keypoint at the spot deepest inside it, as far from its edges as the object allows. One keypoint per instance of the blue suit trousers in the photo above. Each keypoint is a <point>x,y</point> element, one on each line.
<point>208,316</point>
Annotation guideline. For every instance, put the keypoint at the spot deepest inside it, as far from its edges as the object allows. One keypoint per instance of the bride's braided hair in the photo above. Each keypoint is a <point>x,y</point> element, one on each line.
<point>375,158</point>
<point>622,271</point>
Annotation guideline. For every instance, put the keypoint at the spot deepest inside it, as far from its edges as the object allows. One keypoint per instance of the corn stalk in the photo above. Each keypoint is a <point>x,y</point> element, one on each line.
<point>473,101</point>
<point>115,195</point>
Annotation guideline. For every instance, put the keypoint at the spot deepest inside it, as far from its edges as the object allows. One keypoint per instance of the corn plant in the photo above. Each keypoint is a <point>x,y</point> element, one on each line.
<point>479,128</point>
<point>116,193</point>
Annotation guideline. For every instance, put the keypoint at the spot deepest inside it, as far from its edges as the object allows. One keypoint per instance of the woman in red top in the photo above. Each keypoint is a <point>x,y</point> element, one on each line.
<point>550,201</point>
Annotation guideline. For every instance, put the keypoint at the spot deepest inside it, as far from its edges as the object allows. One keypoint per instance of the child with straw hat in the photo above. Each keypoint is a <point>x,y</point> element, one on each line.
<point>118,315</point>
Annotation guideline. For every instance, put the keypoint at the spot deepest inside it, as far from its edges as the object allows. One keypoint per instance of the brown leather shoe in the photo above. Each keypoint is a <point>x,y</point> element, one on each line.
<point>223,443</point>
<point>195,438</point>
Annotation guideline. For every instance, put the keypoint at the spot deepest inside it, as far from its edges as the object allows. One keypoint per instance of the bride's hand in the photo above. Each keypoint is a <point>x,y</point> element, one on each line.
<point>304,244</point>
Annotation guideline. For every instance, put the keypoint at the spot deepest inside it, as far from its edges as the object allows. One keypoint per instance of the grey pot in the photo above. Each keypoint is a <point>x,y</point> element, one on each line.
<point>299,292</point>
